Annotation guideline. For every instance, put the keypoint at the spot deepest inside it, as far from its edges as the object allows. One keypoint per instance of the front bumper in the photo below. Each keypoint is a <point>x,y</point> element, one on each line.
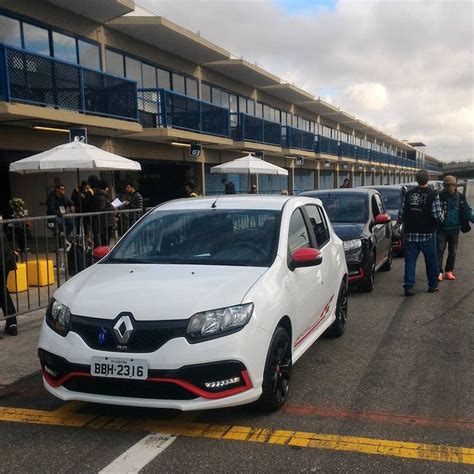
<point>355,265</point>
<point>177,372</point>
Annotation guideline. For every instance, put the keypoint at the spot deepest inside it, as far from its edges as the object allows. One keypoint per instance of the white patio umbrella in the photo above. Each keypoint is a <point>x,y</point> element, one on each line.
<point>249,165</point>
<point>73,156</point>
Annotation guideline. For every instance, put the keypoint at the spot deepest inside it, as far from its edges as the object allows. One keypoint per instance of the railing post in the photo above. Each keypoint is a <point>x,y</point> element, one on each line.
<point>81,86</point>
<point>162,108</point>
<point>200,115</point>
<point>4,76</point>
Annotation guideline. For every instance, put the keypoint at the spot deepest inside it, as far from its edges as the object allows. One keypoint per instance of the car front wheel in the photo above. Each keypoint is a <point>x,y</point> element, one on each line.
<point>277,372</point>
<point>367,284</point>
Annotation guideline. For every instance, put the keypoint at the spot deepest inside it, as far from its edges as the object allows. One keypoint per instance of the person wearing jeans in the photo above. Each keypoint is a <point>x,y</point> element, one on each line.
<point>458,214</point>
<point>421,214</point>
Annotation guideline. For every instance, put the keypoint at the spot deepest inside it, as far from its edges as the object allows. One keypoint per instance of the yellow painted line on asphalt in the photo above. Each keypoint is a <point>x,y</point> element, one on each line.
<point>177,427</point>
<point>69,407</point>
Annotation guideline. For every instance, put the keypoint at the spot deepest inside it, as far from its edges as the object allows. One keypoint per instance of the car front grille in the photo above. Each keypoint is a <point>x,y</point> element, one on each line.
<point>147,336</point>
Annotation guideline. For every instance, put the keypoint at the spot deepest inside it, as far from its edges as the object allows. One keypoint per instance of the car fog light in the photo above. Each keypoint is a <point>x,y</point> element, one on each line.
<point>222,383</point>
<point>49,371</point>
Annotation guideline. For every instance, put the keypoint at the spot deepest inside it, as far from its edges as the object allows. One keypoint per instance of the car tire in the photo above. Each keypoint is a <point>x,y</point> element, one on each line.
<point>367,284</point>
<point>337,327</point>
<point>277,373</point>
<point>387,266</point>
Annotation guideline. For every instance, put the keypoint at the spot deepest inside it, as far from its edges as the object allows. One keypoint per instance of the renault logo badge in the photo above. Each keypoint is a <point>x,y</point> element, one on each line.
<point>123,329</point>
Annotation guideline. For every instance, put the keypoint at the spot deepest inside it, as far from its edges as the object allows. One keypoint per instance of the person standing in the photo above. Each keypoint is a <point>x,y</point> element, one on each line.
<point>458,213</point>
<point>253,189</point>
<point>58,204</point>
<point>229,187</point>
<point>346,183</point>
<point>102,224</point>
<point>421,214</point>
<point>190,189</point>
<point>7,265</point>
<point>134,201</point>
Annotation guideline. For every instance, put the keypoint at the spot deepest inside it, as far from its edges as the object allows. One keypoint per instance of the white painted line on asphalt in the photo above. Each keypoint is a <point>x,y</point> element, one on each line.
<point>140,454</point>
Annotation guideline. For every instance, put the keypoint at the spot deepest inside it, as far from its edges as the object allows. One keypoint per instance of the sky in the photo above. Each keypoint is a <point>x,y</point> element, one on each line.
<point>405,66</point>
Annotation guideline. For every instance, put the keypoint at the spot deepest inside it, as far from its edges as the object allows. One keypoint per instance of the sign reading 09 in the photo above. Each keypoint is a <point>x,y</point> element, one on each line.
<point>195,150</point>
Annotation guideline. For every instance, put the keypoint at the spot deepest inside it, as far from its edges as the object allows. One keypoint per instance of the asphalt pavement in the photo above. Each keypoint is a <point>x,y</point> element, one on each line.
<point>394,394</point>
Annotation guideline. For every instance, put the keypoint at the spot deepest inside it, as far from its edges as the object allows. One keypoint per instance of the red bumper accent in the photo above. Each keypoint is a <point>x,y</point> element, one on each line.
<point>357,277</point>
<point>182,383</point>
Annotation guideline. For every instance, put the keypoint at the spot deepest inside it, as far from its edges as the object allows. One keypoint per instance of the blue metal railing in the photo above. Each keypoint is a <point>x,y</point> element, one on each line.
<point>347,150</point>
<point>38,79</point>
<point>254,129</point>
<point>326,145</point>
<point>296,138</point>
<point>165,108</point>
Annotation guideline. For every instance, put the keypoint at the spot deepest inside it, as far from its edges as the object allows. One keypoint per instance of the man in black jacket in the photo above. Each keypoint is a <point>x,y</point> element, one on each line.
<point>7,265</point>
<point>421,214</point>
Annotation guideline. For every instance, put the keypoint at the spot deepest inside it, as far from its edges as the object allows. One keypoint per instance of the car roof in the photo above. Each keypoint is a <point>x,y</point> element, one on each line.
<point>228,201</point>
<point>384,186</point>
<point>319,192</point>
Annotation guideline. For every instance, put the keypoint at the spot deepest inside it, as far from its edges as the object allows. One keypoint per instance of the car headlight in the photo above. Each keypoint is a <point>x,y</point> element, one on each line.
<point>219,322</point>
<point>58,317</point>
<point>352,244</point>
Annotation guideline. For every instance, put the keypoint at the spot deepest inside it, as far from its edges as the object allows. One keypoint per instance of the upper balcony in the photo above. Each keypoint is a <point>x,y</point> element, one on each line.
<point>248,128</point>
<point>36,86</point>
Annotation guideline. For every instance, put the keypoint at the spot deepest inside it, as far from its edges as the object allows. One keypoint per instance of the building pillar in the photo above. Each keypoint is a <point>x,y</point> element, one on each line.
<point>317,175</point>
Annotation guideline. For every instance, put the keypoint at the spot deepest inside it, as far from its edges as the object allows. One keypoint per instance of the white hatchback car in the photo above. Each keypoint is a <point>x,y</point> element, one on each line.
<point>204,303</point>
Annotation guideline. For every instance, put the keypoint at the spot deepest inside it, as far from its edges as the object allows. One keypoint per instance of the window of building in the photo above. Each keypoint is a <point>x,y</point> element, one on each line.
<point>259,110</point>
<point>133,70</point>
<point>178,83</point>
<point>36,39</point>
<point>89,54</point>
<point>225,99</point>
<point>233,105</point>
<point>114,63</point>
<point>192,87</point>
<point>206,92</point>
<point>10,32</point>
<point>149,76</point>
<point>251,107</point>
<point>164,78</point>
<point>242,105</point>
<point>64,47</point>
<point>266,112</point>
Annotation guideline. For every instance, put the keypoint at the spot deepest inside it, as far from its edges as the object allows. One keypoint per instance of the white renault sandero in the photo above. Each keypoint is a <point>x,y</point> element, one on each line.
<point>204,303</point>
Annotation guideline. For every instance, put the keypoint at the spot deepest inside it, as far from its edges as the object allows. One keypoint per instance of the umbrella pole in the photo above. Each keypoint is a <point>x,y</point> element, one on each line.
<point>79,189</point>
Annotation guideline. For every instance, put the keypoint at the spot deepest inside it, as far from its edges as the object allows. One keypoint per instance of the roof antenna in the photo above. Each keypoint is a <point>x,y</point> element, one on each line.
<point>214,204</point>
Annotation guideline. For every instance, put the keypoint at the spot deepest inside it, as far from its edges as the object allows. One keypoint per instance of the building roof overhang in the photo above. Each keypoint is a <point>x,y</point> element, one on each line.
<point>243,71</point>
<point>102,11</point>
<point>288,92</point>
<point>170,37</point>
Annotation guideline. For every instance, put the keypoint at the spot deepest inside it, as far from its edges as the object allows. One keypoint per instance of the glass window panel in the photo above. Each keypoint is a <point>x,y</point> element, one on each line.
<point>298,233</point>
<point>266,112</point>
<point>225,99</point>
<point>114,63</point>
<point>36,38</point>
<point>233,103</point>
<point>242,104</point>
<point>149,76</point>
<point>206,92</point>
<point>178,83</point>
<point>216,96</point>
<point>10,31</point>
<point>283,118</point>
<point>64,47</point>
<point>164,78</point>
<point>250,107</point>
<point>89,54</point>
<point>259,110</point>
<point>133,70</point>
<point>191,87</point>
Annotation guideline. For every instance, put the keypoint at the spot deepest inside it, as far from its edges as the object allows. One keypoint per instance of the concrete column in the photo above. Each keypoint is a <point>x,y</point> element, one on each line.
<point>336,176</point>
<point>317,175</point>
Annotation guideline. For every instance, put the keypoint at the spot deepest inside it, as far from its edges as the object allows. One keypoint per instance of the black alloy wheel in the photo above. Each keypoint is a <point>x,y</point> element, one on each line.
<point>277,372</point>
<point>367,284</point>
<point>337,327</point>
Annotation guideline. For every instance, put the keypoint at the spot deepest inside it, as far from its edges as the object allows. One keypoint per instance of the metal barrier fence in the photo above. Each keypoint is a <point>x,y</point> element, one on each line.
<point>37,79</point>
<point>255,129</point>
<point>48,250</point>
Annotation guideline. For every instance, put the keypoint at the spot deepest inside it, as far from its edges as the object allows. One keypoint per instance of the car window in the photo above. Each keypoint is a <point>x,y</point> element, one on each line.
<point>239,237</point>
<point>375,206</point>
<point>321,232</point>
<point>380,205</point>
<point>298,236</point>
<point>345,207</point>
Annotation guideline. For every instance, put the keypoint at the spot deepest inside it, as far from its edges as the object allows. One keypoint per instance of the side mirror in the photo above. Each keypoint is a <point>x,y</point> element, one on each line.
<point>100,252</point>
<point>305,257</point>
<point>382,219</point>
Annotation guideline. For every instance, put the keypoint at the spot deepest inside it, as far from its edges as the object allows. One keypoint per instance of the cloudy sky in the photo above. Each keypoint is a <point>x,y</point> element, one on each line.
<point>405,66</point>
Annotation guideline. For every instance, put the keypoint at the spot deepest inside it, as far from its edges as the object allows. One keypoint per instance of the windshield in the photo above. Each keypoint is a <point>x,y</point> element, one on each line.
<point>393,198</point>
<point>202,237</point>
<point>345,207</point>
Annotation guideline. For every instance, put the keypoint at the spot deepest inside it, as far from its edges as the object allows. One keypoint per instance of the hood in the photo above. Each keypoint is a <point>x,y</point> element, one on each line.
<point>153,292</point>
<point>348,231</point>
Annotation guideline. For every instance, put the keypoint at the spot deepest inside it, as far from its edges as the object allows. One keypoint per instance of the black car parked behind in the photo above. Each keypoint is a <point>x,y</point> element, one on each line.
<point>359,218</point>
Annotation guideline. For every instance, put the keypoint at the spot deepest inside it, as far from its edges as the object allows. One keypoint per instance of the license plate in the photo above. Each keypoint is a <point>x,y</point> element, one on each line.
<point>119,368</point>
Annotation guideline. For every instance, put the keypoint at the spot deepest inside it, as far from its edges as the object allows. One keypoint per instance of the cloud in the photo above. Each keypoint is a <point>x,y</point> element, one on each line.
<point>405,66</point>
